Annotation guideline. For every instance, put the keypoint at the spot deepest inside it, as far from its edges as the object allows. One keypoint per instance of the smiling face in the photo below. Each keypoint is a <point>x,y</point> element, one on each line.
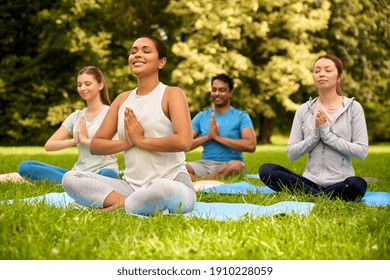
<point>220,94</point>
<point>144,57</point>
<point>88,87</point>
<point>326,75</point>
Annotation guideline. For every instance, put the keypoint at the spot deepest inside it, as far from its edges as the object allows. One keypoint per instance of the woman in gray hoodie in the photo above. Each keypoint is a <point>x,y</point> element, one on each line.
<point>331,129</point>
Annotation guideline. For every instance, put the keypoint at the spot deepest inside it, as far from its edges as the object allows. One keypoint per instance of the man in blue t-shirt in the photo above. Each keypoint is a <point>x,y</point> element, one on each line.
<point>224,132</point>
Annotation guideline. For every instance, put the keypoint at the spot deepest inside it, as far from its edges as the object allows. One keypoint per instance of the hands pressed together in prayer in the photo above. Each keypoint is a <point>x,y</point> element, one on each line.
<point>320,118</point>
<point>134,130</point>
<point>213,129</point>
<point>81,135</point>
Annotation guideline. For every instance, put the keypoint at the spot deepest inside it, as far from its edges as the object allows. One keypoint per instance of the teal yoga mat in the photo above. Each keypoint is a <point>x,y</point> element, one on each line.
<point>236,211</point>
<point>239,188</point>
<point>370,198</point>
<point>218,211</point>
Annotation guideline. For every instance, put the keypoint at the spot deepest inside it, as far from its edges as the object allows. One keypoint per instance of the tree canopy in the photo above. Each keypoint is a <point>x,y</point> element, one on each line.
<point>267,46</point>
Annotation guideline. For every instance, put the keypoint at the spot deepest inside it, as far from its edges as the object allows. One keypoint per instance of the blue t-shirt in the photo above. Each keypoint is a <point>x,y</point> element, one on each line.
<point>230,124</point>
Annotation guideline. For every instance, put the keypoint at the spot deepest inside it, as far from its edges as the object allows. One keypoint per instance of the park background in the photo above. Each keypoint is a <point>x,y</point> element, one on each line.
<point>267,46</point>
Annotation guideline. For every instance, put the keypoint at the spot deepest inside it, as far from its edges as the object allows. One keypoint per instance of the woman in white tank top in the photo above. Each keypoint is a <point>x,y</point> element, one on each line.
<point>154,127</point>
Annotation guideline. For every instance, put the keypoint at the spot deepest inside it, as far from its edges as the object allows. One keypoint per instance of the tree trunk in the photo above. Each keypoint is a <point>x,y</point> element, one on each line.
<point>265,130</point>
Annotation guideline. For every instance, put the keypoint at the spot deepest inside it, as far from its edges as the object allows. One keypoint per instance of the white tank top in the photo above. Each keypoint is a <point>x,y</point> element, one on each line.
<point>143,166</point>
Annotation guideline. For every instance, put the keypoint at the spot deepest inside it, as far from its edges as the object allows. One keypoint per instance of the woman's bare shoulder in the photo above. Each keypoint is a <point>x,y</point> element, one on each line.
<point>173,90</point>
<point>121,98</point>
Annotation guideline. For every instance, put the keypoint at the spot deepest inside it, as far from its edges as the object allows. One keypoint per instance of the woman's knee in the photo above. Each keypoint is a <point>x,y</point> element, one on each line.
<point>351,189</point>
<point>182,198</point>
<point>358,183</point>
<point>161,194</point>
<point>25,167</point>
<point>69,179</point>
<point>266,170</point>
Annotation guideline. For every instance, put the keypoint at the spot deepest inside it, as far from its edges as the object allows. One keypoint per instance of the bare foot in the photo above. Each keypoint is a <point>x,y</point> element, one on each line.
<point>205,184</point>
<point>113,201</point>
<point>13,177</point>
<point>111,208</point>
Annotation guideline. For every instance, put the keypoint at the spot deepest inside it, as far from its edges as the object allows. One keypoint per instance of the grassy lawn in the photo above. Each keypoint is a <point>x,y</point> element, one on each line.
<point>334,230</point>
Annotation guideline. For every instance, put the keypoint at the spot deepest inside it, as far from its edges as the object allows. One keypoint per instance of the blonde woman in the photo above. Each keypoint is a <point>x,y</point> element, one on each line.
<point>82,124</point>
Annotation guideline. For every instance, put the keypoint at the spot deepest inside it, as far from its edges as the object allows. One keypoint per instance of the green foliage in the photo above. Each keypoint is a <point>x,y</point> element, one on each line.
<point>359,33</point>
<point>264,45</point>
<point>334,230</point>
<point>268,47</point>
<point>39,67</point>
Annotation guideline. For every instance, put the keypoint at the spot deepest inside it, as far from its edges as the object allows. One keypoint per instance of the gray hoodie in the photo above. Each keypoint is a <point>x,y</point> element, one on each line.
<point>331,146</point>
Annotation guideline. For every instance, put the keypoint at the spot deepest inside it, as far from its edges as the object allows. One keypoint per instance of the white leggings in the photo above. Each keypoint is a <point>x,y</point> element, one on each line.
<point>90,189</point>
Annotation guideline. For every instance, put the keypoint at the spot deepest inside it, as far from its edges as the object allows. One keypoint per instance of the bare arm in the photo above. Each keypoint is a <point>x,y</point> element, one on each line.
<point>176,108</point>
<point>103,143</point>
<point>58,140</point>
<point>198,141</point>
<point>247,142</point>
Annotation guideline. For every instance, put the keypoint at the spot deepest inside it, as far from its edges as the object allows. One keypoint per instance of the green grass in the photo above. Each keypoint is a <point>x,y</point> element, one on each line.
<point>333,230</point>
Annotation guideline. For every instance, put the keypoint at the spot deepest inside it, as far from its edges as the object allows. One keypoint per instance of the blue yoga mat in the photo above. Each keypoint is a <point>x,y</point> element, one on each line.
<point>239,188</point>
<point>376,198</point>
<point>370,198</point>
<point>56,199</point>
<point>219,211</point>
<point>236,211</point>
